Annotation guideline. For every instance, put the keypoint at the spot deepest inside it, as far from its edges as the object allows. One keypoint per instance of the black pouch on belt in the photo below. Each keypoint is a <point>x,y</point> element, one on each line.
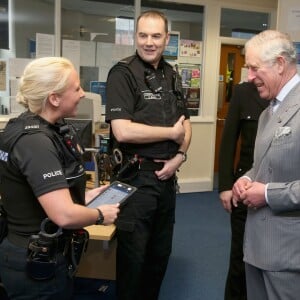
<point>3,224</point>
<point>42,252</point>
<point>41,258</point>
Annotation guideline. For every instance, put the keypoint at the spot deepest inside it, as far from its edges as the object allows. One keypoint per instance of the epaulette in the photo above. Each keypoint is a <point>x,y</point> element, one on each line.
<point>128,60</point>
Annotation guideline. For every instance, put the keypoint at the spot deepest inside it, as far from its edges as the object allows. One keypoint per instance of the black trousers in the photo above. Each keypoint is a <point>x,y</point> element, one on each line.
<point>235,288</point>
<point>144,234</point>
<point>20,286</point>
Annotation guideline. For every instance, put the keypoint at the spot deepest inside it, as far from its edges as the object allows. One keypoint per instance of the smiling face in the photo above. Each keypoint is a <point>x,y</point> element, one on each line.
<point>271,62</point>
<point>151,39</point>
<point>267,76</point>
<point>70,98</point>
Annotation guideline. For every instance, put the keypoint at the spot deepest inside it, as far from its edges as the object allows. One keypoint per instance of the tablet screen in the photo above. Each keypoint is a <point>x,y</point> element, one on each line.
<point>117,192</point>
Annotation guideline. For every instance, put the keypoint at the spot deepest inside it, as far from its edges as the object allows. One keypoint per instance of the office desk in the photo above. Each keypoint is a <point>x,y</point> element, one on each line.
<point>100,259</point>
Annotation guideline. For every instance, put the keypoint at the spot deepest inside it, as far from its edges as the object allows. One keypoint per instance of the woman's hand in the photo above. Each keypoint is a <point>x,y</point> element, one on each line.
<point>110,212</point>
<point>90,194</point>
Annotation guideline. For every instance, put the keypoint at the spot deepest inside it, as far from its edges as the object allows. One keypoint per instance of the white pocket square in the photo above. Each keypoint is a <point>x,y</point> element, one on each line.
<point>282,131</point>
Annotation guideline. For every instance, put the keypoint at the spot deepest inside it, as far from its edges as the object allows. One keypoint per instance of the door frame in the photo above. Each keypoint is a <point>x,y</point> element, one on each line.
<point>218,134</point>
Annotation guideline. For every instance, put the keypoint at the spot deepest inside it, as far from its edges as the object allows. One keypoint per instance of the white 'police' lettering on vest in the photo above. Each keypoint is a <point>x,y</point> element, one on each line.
<point>53,174</point>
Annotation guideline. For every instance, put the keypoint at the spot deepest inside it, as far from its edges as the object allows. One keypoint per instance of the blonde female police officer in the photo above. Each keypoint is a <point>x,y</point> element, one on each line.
<point>42,176</point>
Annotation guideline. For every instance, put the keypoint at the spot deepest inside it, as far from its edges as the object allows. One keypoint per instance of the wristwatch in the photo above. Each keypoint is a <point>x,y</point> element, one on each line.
<point>100,218</point>
<point>184,156</point>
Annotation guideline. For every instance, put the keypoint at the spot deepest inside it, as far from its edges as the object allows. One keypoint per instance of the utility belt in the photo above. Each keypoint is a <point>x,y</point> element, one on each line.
<point>45,249</point>
<point>146,164</point>
<point>128,166</point>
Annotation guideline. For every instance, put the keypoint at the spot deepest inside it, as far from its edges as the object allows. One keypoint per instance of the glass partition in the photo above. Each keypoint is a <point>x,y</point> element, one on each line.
<point>242,24</point>
<point>28,20</point>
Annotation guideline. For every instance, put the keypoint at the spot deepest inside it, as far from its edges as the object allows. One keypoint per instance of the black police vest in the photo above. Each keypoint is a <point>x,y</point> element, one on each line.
<point>157,103</point>
<point>62,138</point>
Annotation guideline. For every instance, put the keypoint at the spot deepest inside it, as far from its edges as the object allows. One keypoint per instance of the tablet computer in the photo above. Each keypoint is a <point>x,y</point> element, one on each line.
<point>117,192</point>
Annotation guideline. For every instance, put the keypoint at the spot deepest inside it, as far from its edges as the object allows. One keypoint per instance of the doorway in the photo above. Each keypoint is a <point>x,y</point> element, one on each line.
<point>232,60</point>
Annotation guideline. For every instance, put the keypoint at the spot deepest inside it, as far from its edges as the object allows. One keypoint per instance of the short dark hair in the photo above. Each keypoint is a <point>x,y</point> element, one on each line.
<point>153,14</point>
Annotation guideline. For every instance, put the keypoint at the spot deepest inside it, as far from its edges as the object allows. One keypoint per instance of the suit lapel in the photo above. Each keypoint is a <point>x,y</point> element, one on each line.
<point>269,124</point>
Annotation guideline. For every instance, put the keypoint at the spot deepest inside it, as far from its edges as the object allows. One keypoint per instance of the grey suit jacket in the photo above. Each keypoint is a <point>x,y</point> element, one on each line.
<point>272,234</point>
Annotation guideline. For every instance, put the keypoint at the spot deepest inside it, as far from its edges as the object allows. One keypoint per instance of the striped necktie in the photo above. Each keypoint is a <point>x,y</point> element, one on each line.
<point>273,106</point>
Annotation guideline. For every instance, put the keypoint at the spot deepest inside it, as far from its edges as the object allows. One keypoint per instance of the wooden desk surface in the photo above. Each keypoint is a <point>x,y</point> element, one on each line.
<point>101,232</point>
<point>99,261</point>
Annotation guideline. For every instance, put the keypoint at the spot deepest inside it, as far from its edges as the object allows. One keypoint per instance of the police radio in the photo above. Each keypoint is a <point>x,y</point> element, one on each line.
<point>70,139</point>
<point>152,82</point>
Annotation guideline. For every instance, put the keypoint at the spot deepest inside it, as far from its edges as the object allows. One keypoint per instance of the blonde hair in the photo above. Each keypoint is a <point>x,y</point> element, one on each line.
<point>41,77</point>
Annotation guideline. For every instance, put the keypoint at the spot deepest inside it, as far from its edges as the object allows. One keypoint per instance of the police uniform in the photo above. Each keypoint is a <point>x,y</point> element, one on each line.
<point>36,157</point>
<point>138,92</point>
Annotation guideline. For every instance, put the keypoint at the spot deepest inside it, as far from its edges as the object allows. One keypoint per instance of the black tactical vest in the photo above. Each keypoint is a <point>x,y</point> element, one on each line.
<point>63,139</point>
<point>158,102</point>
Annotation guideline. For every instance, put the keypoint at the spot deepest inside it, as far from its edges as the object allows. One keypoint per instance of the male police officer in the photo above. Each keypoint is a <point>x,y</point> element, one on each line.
<point>151,125</point>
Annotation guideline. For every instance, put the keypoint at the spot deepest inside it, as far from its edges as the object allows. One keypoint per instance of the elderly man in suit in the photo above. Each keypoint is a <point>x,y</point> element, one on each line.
<point>241,124</point>
<point>271,188</point>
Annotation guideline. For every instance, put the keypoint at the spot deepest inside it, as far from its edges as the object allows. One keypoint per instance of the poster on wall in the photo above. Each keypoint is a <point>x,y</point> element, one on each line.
<point>172,49</point>
<point>190,48</point>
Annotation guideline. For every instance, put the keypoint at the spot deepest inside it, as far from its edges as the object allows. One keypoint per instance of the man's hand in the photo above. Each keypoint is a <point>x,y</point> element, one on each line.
<point>170,167</point>
<point>178,131</point>
<point>226,197</point>
<point>254,196</point>
<point>239,188</point>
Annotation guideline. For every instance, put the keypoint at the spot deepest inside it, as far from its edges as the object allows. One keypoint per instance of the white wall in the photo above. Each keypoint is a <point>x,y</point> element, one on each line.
<point>288,19</point>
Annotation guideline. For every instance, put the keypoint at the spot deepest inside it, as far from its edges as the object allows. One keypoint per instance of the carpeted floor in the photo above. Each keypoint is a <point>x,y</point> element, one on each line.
<point>199,260</point>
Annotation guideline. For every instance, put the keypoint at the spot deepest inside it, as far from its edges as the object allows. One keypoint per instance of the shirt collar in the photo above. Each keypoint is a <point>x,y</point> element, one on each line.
<point>288,87</point>
<point>147,65</point>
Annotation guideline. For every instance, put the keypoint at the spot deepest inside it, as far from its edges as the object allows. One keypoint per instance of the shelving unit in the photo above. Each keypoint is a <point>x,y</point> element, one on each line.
<point>191,82</point>
<point>189,67</point>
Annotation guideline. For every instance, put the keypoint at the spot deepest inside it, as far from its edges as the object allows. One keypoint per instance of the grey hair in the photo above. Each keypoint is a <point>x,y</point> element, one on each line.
<point>271,44</point>
<point>42,77</point>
